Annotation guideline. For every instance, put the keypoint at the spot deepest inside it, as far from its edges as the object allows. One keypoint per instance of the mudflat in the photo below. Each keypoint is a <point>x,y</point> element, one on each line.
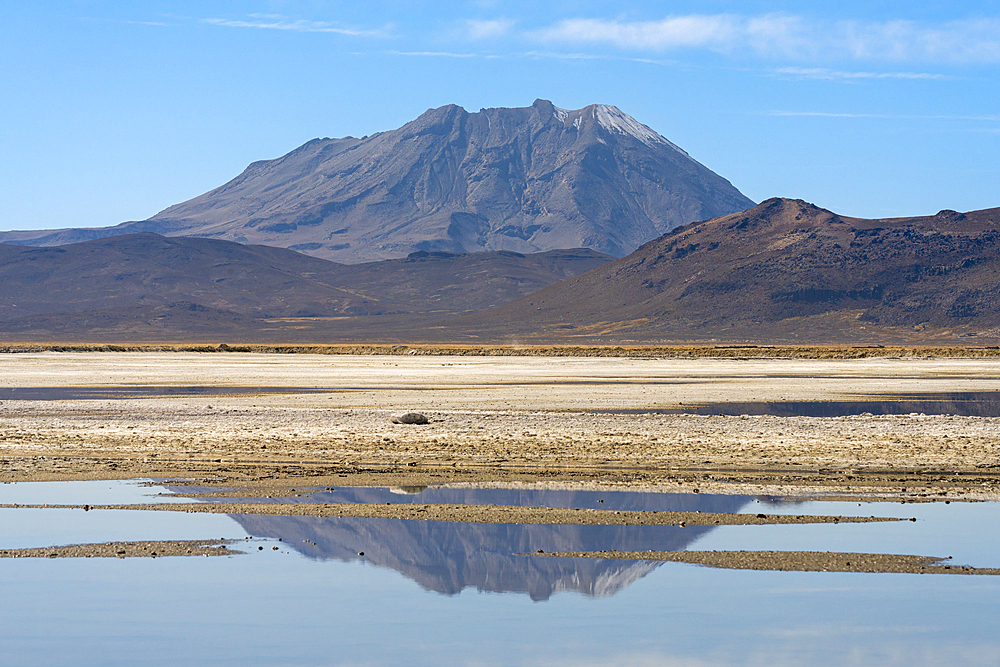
<point>265,420</point>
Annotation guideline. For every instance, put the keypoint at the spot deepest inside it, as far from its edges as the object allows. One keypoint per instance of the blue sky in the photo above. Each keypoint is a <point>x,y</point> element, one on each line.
<point>112,111</point>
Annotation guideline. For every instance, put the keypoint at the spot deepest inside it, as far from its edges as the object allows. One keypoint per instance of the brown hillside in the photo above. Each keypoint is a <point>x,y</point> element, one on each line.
<point>784,268</point>
<point>164,288</point>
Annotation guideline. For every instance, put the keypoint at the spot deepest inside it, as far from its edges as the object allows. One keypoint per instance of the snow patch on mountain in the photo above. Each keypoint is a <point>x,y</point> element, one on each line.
<point>614,119</point>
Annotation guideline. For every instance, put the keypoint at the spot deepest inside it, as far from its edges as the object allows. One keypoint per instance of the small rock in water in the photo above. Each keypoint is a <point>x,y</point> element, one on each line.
<point>410,418</point>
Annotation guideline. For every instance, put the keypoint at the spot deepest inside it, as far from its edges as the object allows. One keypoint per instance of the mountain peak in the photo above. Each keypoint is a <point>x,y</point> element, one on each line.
<point>796,212</point>
<point>611,119</point>
<point>614,119</point>
<point>523,179</point>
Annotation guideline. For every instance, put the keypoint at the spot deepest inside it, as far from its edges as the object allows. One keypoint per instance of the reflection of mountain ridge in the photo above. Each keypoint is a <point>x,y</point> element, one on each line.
<point>448,557</point>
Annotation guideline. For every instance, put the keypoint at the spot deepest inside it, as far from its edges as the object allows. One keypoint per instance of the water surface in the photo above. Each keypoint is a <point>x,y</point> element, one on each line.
<point>430,593</point>
<point>965,403</point>
<point>142,391</point>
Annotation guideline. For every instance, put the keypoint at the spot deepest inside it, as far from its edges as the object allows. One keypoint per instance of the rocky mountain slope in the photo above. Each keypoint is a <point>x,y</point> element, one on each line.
<point>204,283</point>
<point>784,269</point>
<point>526,180</point>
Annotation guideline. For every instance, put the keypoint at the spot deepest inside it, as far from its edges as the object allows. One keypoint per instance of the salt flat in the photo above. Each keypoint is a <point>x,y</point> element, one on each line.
<point>529,383</point>
<point>493,419</point>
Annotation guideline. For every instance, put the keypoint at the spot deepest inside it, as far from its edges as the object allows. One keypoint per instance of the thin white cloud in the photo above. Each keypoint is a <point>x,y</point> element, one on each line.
<point>528,54</point>
<point>492,29</point>
<point>838,75</point>
<point>564,56</point>
<point>160,24</point>
<point>276,22</point>
<point>790,36</point>
<point>833,114</point>
<point>555,55</point>
<point>440,54</point>
<point>976,40</point>
<point>716,32</point>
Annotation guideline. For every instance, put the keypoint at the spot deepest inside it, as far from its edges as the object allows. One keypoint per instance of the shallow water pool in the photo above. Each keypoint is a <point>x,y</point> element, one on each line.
<point>447,593</point>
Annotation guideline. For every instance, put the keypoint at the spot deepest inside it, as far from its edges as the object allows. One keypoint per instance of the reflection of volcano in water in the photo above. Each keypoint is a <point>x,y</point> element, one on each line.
<point>448,557</point>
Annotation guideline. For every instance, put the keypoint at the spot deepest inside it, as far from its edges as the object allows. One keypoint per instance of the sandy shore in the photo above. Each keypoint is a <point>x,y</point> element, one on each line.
<point>793,561</point>
<point>482,514</point>
<point>145,549</point>
<point>496,419</point>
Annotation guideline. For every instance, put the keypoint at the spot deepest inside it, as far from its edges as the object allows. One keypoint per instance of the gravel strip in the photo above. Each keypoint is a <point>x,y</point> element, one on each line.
<point>482,514</point>
<point>152,549</point>
<point>798,561</point>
